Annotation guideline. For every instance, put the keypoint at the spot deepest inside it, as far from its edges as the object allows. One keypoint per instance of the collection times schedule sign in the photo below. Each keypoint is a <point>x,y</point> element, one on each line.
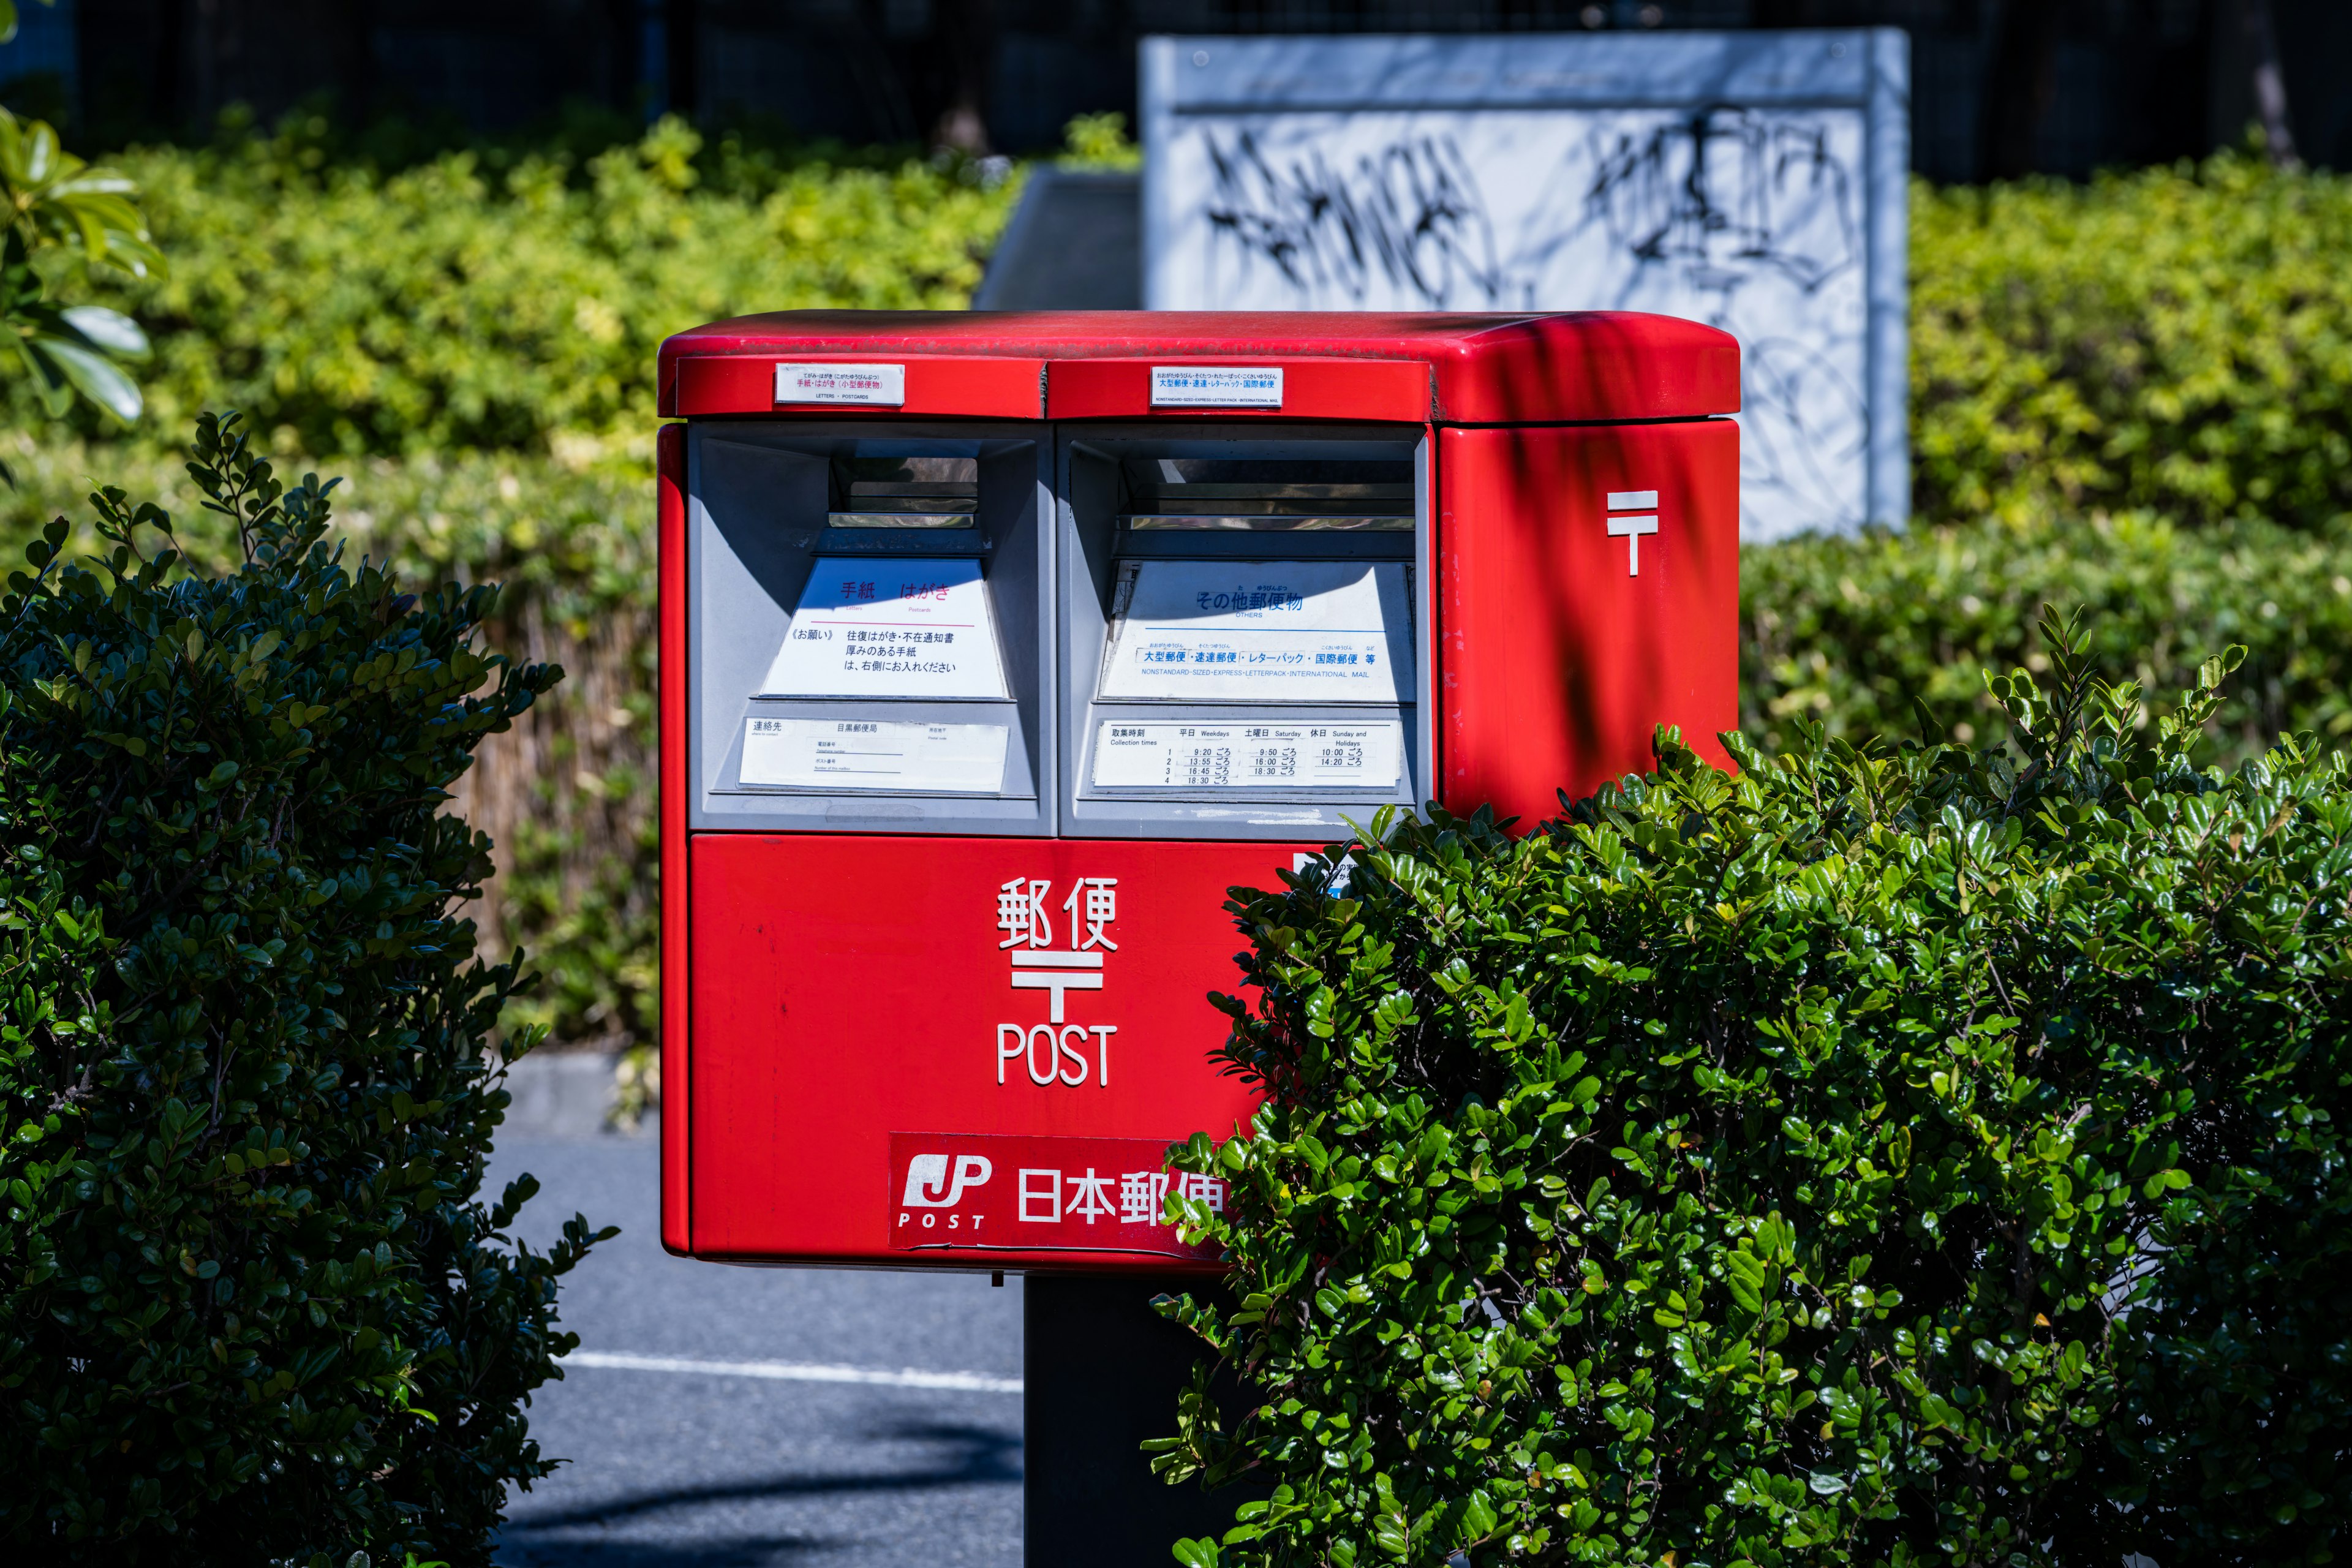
<point>1193,755</point>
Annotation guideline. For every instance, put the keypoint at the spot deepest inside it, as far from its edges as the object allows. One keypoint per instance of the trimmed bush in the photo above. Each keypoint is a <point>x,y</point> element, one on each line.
<point>1888,1156</point>
<point>495,297</point>
<point>566,793</point>
<point>2173,339</point>
<point>252,1307</point>
<point>1861,635</point>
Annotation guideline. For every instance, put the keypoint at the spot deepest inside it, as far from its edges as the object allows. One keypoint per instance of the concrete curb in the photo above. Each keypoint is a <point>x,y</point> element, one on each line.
<point>560,1094</point>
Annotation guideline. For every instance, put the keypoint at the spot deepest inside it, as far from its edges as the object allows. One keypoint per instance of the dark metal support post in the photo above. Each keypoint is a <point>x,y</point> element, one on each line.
<point>1102,1371</point>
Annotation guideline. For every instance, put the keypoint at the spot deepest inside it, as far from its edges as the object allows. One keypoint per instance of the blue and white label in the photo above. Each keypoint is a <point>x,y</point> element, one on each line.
<point>1215,387</point>
<point>1260,631</point>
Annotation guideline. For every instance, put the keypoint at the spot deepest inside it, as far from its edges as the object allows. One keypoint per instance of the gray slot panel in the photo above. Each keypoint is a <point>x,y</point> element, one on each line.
<point>1098,512</point>
<point>761,496</point>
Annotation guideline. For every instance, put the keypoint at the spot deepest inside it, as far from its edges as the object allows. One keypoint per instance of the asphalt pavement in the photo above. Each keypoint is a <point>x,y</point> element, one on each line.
<point>725,1417</point>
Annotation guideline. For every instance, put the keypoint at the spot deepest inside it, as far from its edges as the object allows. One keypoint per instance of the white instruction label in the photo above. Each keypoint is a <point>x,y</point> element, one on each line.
<point>882,385</point>
<point>1261,631</point>
<point>863,754</point>
<point>879,625</point>
<point>1215,387</point>
<point>1247,756</point>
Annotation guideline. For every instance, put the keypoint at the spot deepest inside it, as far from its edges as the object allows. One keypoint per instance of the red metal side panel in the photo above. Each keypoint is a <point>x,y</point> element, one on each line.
<point>1555,662</point>
<point>1312,389</point>
<point>850,987</point>
<point>670,685</point>
<point>973,386</point>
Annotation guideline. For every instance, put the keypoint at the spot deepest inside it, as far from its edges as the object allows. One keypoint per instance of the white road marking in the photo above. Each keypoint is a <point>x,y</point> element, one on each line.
<point>796,1371</point>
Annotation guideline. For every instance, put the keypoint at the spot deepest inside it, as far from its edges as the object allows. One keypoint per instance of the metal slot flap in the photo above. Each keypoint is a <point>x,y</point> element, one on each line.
<point>1267,495</point>
<point>904,492</point>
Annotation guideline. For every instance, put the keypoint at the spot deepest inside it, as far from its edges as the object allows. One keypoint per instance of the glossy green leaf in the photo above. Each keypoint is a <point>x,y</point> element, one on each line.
<point>93,375</point>
<point>109,330</point>
<point>52,199</point>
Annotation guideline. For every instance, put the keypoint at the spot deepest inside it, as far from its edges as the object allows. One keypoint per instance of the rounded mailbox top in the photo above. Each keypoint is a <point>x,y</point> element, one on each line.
<point>1448,369</point>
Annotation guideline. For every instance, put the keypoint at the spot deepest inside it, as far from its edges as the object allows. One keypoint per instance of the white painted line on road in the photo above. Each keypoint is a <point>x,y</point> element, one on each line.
<point>797,1372</point>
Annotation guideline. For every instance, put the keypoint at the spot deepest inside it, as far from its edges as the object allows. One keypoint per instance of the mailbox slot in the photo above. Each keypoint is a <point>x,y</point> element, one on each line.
<point>871,649</point>
<point>919,491</point>
<point>1243,626</point>
<point>1267,495</point>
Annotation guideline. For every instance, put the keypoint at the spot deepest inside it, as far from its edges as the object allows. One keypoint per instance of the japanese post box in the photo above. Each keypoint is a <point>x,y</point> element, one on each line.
<point>996,648</point>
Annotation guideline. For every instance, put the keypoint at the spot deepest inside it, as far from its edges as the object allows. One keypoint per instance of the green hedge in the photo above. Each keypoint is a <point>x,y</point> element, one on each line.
<point>1926,1155</point>
<point>491,298</point>
<point>1860,634</point>
<point>2175,338</point>
<point>568,793</point>
<point>252,1307</point>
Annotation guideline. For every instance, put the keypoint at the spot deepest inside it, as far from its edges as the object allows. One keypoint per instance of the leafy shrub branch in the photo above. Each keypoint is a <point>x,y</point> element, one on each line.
<point>54,200</point>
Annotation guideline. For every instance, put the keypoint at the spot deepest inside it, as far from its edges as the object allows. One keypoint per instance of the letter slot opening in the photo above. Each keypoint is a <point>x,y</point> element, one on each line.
<point>904,492</point>
<point>1267,495</point>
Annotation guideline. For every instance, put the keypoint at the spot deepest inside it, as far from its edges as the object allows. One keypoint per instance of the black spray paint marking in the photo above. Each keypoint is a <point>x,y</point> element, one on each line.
<point>1727,193</point>
<point>1730,198</point>
<point>1407,212</point>
<point>1726,199</point>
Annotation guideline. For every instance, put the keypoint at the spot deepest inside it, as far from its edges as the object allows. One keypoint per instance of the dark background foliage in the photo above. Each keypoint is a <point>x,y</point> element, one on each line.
<point>1997,90</point>
<point>252,1306</point>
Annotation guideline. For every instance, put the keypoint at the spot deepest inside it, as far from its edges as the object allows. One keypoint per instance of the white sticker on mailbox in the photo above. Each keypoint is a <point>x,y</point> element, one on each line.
<point>863,754</point>
<point>880,626</point>
<point>880,385</point>
<point>1215,387</point>
<point>1247,756</point>
<point>1261,631</point>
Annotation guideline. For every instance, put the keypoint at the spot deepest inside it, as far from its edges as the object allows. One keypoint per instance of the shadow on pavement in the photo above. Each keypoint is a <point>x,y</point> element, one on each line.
<point>986,1459</point>
<point>741,1551</point>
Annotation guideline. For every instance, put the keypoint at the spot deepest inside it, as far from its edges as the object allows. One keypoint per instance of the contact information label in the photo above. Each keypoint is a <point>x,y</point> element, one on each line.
<point>859,754</point>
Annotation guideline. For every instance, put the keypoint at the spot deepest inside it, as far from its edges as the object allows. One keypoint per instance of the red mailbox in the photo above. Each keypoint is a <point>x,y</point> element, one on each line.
<point>996,647</point>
